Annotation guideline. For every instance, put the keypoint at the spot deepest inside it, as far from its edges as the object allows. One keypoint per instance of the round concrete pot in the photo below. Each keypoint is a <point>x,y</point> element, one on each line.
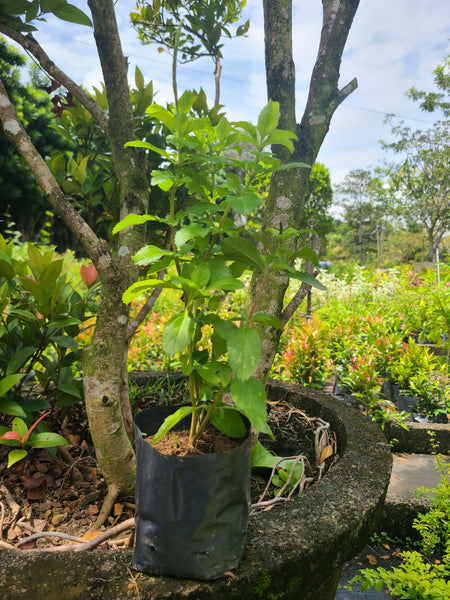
<point>293,552</point>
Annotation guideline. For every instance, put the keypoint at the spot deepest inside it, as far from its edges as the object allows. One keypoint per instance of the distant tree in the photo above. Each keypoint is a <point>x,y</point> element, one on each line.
<point>440,99</point>
<point>319,200</point>
<point>422,174</point>
<point>197,27</point>
<point>422,178</point>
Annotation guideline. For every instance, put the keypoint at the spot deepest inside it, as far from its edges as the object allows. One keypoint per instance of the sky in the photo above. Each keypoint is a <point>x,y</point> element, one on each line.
<point>392,46</point>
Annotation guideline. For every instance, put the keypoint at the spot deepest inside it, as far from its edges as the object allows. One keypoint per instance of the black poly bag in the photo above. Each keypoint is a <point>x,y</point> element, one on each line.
<point>191,511</point>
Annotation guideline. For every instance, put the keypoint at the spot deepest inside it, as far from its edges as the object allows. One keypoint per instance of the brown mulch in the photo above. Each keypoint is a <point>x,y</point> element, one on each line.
<point>64,493</point>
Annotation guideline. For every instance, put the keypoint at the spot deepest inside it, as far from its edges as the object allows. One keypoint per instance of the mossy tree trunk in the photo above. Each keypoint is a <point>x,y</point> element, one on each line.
<point>285,206</point>
<point>104,367</point>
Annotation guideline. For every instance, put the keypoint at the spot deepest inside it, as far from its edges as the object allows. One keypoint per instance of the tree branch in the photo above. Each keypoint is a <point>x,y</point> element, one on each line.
<point>15,132</point>
<point>30,44</point>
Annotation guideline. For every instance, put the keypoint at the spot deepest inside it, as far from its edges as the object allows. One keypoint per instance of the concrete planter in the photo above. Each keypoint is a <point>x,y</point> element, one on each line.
<point>293,552</point>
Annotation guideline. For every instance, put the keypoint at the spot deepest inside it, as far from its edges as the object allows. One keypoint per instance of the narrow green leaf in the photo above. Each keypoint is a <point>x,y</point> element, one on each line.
<point>306,278</point>
<point>139,78</point>
<point>171,421</point>
<point>69,12</point>
<point>11,407</point>
<point>6,384</point>
<point>49,275</point>
<point>46,439</point>
<point>244,350</point>
<point>140,287</point>
<point>19,358</point>
<point>65,341</point>
<point>130,220</point>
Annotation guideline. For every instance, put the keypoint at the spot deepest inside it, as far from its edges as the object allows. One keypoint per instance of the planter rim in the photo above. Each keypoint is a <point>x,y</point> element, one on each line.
<point>296,550</point>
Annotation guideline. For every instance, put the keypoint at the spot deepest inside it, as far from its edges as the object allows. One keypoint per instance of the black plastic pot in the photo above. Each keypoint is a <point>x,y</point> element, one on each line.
<point>191,512</point>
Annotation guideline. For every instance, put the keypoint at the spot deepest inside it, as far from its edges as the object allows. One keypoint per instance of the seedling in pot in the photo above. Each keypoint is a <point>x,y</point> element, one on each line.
<point>20,436</point>
<point>208,254</point>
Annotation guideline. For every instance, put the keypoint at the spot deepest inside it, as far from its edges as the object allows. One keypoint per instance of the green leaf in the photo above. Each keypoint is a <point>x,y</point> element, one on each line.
<point>49,275</point>
<point>6,384</point>
<point>268,118</point>
<point>11,407</point>
<point>262,458</point>
<point>221,326</point>
<point>158,112</point>
<point>70,389</point>
<point>245,204</point>
<point>19,358</point>
<point>139,78</point>
<point>177,333</point>
<point>20,426</point>
<point>65,341</point>
<point>64,322</point>
<point>250,398</point>
<point>266,319</point>
<point>149,254</point>
<point>130,220</point>
<point>243,251</point>
<point>6,266</point>
<point>69,12</point>
<point>244,350</point>
<point>189,232</point>
<point>46,439</point>
<point>227,284</point>
<point>171,421</point>
<point>144,286</point>
<point>163,179</point>
<point>200,275</point>
<point>36,260</point>
<point>308,254</point>
<point>306,278</point>
<point>229,422</point>
<point>14,456</point>
<point>215,372</point>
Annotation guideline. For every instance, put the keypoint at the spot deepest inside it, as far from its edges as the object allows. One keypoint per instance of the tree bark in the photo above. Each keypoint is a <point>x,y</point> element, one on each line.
<point>288,189</point>
<point>104,368</point>
<point>29,44</point>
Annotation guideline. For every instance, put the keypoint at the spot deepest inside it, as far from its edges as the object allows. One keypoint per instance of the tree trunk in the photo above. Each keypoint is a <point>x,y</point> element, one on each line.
<point>285,205</point>
<point>104,373</point>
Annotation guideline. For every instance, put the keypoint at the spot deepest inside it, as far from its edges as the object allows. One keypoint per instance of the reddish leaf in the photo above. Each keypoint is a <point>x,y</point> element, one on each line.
<point>88,274</point>
<point>372,560</point>
<point>10,435</point>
